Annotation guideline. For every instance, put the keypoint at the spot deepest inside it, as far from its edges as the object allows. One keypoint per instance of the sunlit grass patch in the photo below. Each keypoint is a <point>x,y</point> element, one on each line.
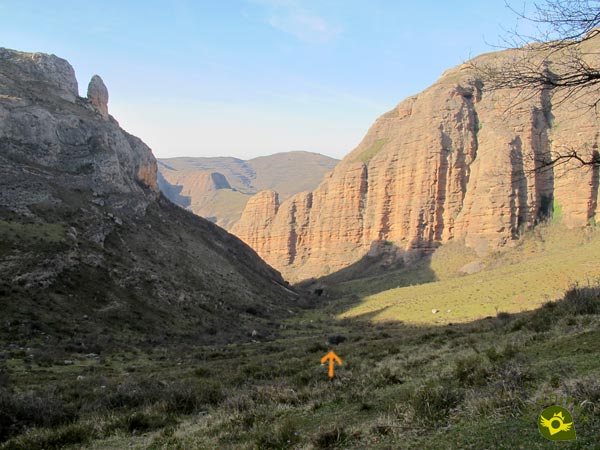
<point>520,279</point>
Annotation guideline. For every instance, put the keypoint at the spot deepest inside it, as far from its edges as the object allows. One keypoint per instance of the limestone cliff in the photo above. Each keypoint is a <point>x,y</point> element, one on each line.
<point>455,162</point>
<point>88,245</point>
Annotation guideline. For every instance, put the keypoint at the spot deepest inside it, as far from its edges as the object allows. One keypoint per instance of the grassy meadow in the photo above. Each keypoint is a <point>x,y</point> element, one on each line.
<point>409,378</point>
<point>539,268</point>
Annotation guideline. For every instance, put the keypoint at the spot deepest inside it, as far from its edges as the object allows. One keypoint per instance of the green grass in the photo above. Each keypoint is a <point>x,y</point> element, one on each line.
<point>538,269</point>
<point>369,153</point>
<point>30,232</point>
<point>475,385</point>
<point>557,212</point>
<point>478,384</point>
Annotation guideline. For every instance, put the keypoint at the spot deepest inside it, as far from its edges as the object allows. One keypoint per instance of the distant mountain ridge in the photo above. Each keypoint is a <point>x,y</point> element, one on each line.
<point>218,188</point>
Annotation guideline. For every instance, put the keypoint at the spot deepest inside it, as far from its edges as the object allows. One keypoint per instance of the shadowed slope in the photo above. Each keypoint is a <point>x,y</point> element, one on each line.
<point>90,252</point>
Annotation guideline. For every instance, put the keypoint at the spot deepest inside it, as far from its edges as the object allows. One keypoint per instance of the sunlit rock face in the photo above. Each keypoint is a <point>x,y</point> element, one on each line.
<point>455,162</point>
<point>97,94</point>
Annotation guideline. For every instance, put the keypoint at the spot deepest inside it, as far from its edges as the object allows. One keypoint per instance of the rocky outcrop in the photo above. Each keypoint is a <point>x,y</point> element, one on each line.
<point>256,222</point>
<point>97,94</point>
<point>38,72</point>
<point>89,246</point>
<point>456,162</point>
<point>41,112</point>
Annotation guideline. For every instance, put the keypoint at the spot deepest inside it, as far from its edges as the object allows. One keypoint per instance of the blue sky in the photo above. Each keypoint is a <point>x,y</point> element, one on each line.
<point>252,77</point>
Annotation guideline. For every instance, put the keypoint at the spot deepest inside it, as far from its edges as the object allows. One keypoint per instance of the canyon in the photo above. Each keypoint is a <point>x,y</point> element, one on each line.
<point>218,188</point>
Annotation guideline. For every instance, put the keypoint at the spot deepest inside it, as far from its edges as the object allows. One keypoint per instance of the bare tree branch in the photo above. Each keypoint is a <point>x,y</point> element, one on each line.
<point>558,58</point>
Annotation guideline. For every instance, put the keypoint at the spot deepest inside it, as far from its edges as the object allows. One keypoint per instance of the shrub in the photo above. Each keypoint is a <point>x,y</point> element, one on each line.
<point>582,300</point>
<point>281,436</point>
<point>238,402</point>
<point>21,411</point>
<point>390,373</point>
<point>202,372</point>
<point>576,301</point>
<point>4,377</point>
<point>471,371</point>
<point>168,442</point>
<point>139,422</point>
<point>188,397</point>
<point>331,437</point>
<point>317,347</point>
<point>586,392</point>
<point>503,316</point>
<point>508,383</point>
<point>51,439</point>
<point>133,394</point>
<point>541,320</point>
<point>433,402</point>
<point>271,394</point>
<point>183,397</point>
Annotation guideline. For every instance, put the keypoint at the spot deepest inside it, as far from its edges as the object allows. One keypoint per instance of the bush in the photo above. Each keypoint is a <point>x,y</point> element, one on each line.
<point>21,411</point>
<point>168,442</point>
<point>433,402</point>
<point>329,437</point>
<point>582,300</point>
<point>202,372</point>
<point>507,383</point>
<point>4,377</point>
<point>576,301</point>
<point>183,397</point>
<point>75,433</point>
<point>504,316</point>
<point>132,394</point>
<point>586,392</point>
<point>271,394</point>
<point>389,374</point>
<point>317,347</point>
<point>507,353</point>
<point>282,436</point>
<point>541,320</point>
<point>187,397</point>
<point>140,422</point>
<point>471,371</point>
<point>239,402</point>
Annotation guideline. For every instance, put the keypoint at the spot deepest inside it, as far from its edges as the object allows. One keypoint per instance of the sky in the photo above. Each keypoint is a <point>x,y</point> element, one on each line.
<point>247,78</point>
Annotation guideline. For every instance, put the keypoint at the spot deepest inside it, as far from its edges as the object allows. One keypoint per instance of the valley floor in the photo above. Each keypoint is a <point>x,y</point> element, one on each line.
<point>478,383</point>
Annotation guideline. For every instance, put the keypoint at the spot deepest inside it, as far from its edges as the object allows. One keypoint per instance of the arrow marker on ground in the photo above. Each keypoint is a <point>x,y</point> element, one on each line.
<point>332,358</point>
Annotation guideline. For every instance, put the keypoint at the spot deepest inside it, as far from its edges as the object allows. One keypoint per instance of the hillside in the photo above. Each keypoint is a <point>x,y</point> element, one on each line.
<point>409,379</point>
<point>92,256</point>
<point>184,181</point>
<point>455,163</point>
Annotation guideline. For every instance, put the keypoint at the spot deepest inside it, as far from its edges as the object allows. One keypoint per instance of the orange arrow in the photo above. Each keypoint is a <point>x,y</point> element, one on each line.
<point>331,357</point>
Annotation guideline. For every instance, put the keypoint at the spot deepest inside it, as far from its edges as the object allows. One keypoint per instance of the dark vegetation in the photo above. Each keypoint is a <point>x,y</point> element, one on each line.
<point>476,385</point>
<point>141,288</point>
